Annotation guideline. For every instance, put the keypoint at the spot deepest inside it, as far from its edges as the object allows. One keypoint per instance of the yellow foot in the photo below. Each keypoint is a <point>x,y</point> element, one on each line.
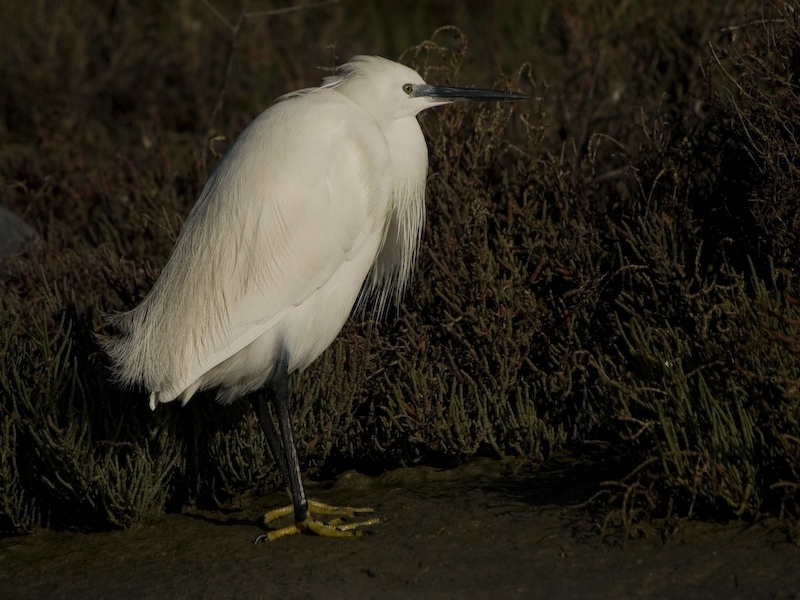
<point>334,528</point>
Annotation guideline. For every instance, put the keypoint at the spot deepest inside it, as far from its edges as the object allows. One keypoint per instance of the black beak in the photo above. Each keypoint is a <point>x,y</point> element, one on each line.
<point>451,94</point>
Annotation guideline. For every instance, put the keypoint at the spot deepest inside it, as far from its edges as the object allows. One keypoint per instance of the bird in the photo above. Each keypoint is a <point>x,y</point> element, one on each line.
<point>318,204</point>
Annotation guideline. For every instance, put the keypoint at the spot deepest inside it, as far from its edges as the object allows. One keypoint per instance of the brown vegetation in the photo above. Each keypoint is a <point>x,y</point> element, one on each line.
<point>615,261</point>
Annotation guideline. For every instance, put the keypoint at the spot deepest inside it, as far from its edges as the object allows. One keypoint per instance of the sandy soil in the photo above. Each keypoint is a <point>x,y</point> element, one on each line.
<point>473,532</point>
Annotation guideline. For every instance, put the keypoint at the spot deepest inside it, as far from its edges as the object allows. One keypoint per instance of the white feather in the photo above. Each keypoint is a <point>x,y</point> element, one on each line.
<point>323,186</point>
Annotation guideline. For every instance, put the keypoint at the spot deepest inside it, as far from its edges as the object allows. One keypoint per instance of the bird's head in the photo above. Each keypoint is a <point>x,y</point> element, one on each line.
<point>389,90</point>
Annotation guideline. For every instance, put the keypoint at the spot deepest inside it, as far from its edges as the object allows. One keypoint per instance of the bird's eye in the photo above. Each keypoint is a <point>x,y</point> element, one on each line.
<point>408,88</point>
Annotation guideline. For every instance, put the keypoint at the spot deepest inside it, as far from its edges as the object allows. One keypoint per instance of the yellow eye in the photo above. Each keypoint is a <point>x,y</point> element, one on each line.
<point>408,88</point>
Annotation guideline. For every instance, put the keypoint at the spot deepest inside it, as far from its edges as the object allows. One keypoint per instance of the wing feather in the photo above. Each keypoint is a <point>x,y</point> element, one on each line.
<point>299,192</point>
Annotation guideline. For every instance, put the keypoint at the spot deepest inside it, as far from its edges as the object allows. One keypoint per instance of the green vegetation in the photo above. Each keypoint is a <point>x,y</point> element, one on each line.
<point>616,260</point>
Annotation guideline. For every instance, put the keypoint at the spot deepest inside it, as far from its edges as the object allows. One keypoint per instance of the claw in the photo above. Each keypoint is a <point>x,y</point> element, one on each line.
<point>334,528</point>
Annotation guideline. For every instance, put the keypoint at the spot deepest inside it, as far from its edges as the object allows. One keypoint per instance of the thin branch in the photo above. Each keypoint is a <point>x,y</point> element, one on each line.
<point>751,23</point>
<point>287,9</point>
<point>218,15</point>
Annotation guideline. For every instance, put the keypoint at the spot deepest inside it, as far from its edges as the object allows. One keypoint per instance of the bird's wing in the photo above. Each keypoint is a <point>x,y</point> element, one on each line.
<point>297,194</point>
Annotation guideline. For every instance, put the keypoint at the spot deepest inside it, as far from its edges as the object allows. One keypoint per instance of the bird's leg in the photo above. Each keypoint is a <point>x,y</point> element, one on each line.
<point>284,453</point>
<point>260,401</point>
<point>280,390</point>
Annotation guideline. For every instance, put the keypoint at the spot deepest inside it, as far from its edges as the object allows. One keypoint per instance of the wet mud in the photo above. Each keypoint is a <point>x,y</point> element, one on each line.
<point>483,530</point>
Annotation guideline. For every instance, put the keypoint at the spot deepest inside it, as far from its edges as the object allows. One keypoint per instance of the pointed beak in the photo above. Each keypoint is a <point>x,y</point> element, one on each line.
<point>441,94</point>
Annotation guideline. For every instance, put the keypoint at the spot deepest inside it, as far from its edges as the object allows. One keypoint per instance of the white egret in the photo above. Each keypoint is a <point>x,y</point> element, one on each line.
<point>319,200</point>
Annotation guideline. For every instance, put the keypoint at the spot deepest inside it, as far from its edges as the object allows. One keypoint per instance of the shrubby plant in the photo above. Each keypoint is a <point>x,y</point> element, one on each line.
<point>615,262</point>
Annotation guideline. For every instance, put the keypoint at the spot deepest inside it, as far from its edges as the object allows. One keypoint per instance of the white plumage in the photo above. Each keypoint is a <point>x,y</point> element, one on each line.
<point>317,191</point>
<point>320,199</point>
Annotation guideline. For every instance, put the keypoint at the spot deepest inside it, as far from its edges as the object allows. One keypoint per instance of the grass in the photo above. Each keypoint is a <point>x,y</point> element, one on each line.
<point>615,260</point>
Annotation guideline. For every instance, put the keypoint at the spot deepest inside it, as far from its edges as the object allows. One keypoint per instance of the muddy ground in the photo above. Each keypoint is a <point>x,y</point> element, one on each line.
<point>483,530</point>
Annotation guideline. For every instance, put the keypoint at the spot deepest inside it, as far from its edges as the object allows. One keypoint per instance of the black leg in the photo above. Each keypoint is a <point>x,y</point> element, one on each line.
<point>260,402</point>
<point>282,445</point>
